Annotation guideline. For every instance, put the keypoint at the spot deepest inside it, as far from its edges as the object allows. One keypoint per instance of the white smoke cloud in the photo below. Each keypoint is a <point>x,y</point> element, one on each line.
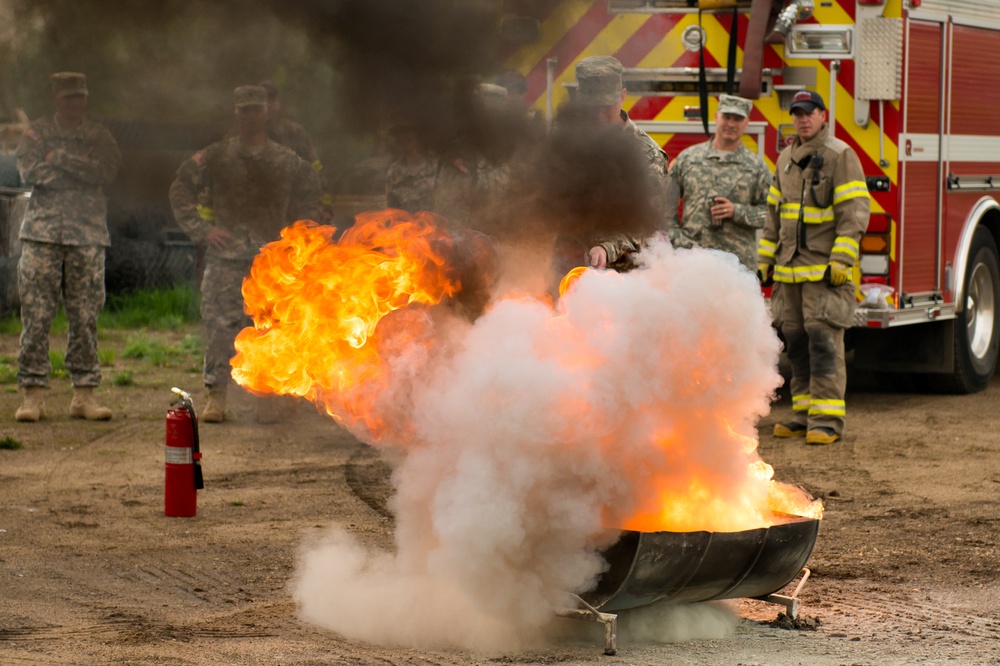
<point>536,431</point>
<point>662,623</point>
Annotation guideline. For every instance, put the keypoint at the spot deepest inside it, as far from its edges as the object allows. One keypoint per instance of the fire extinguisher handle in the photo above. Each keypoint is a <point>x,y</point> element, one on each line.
<point>199,481</point>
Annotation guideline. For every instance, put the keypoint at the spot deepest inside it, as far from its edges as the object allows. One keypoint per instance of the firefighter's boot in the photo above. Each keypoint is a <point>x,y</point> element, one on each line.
<point>215,408</point>
<point>84,405</point>
<point>821,435</point>
<point>33,406</point>
<point>789,429</point>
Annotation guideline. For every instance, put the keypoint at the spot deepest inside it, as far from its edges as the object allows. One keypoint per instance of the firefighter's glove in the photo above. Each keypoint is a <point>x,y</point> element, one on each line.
<point>765,273</point>
<point>837,274</point>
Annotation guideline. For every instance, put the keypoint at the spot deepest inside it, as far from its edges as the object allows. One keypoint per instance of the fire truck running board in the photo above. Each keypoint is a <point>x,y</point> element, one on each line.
<point>915,314</point>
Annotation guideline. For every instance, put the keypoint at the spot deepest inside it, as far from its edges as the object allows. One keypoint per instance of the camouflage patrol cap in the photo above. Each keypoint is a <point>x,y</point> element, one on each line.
<point>600,80</point>
<point>65,84</point>
<point>735,105</point>
<point>249,96</point>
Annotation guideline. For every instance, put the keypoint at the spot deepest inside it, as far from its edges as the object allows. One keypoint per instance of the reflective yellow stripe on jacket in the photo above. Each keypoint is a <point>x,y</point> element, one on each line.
<point>810,214</point>
<point>792,274</point>
<point>773,196</point>
<point>852,189</point>
<point>766,248</point>
<point>847,247</point>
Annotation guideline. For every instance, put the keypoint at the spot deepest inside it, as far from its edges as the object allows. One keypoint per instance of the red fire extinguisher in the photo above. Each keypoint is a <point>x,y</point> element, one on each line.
<point>182,478</point>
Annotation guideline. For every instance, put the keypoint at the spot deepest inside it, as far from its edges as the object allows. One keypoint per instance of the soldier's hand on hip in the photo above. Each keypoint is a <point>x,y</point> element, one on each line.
<point>219,238</point>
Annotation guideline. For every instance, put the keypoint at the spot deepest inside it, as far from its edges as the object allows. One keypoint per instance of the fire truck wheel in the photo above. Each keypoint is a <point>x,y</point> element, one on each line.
<point>977,328</point>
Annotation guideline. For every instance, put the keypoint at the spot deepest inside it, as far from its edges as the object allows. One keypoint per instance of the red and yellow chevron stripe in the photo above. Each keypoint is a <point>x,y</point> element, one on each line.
<point>576,29</point>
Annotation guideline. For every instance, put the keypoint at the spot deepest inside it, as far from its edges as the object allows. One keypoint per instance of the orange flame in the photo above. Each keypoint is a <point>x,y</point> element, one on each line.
<point>328,315</point>
<point>317,305</point>
<point>756,500</point>
<point>570,279</point>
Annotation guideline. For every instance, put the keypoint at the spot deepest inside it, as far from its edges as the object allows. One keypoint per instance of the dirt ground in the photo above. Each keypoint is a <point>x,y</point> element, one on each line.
<point>906,568</point>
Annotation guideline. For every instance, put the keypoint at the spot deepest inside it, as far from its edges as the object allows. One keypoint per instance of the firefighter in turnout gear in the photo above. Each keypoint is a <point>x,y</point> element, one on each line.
<point>818,209</point>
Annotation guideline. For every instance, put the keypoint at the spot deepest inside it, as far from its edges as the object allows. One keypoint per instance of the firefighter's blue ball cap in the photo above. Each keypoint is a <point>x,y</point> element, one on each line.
<point>808,101</point>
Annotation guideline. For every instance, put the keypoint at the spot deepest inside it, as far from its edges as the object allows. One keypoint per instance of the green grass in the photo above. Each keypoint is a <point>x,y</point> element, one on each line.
<point>158,309</point>
<point>106,357</point>
<point>10,444</point>
<point>191,344</point>
<point>10,324</point>
<point>153,349</point>
<point>8,370</point>
<point>123,378</point>
<point>58,361</point>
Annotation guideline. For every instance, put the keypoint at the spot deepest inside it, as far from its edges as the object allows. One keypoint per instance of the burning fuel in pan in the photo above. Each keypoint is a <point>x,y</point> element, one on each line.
<point>522,434</point>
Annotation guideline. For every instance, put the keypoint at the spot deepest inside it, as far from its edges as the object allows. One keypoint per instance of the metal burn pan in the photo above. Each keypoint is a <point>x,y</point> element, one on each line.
<point>687,567</point>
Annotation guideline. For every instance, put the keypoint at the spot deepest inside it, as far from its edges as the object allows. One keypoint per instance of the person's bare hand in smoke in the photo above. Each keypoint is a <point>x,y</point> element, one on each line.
<point>598,257</point>
<point>219,238</point>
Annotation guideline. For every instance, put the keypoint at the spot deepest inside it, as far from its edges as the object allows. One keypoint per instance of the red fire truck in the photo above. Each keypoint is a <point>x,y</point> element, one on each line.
<point>912,85</point>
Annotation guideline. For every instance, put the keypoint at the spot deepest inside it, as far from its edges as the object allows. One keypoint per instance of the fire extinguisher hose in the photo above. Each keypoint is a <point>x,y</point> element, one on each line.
<point>184,399</point>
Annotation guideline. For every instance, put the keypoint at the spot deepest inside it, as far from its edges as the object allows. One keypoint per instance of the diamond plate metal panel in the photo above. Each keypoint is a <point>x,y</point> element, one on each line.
<point>880,58</point>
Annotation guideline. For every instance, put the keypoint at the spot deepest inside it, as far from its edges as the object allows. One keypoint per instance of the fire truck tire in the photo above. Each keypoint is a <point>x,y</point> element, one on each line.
<point>977,327</point>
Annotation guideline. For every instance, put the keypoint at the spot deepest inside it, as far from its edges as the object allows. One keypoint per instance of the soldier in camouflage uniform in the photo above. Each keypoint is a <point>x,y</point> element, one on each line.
<point>288,133</point>
<point>467,181</point>
<point>66,159</point>
<point>473,174</point>
<point>724,186</point>
<point>236,195</point>
<point>601,87</point>
<point>412,174</point>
